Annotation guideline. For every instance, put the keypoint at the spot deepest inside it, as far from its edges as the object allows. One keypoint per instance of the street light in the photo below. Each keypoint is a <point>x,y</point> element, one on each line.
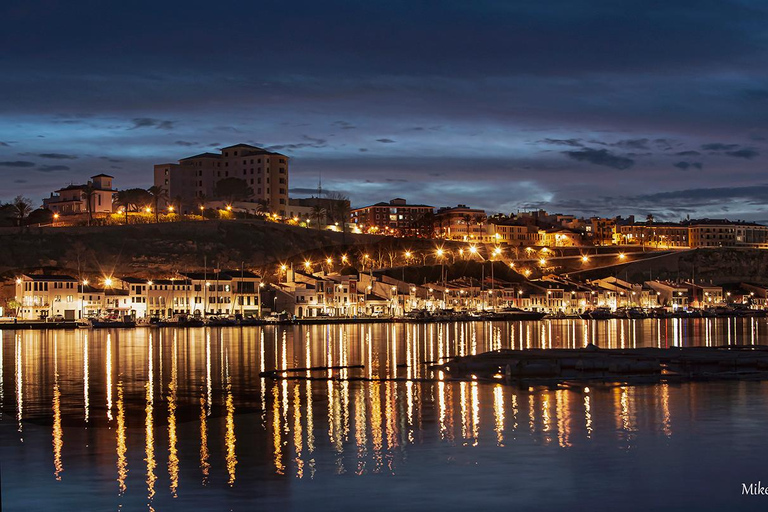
<point>622,255</point>
<point>585,259</point>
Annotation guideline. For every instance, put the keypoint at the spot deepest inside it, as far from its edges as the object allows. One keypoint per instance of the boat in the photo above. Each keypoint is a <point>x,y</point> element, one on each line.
<point>106,323</point>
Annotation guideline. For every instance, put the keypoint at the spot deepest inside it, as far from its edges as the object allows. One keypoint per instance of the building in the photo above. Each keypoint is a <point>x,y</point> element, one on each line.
<point>396,218</point>
<point>95,196</point>
<point>659,235</point>
<point>48,296</point>
<point>724,233</point>
<point>322,210</point>
<point>460,223</point>
<point>194,179</point>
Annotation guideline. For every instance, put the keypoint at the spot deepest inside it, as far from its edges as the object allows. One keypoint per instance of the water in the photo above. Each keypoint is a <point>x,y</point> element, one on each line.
<point>171,419</point>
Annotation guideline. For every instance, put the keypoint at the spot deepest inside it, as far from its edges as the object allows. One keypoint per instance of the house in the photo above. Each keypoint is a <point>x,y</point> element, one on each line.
<point>95,196</point>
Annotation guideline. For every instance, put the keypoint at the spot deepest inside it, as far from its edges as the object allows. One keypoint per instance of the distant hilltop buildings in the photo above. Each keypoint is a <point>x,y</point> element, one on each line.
<point>245,180</point>
<point>240,172</point>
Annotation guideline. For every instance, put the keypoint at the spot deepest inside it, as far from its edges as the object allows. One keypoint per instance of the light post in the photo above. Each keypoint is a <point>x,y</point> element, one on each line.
<point>82,297</point>
<point>440,254</point>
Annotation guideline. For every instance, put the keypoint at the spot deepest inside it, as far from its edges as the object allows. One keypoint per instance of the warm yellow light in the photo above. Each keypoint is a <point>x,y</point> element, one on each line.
<point>585,258</point>
<point>55,215</point>
<point>150,283</point>
<point>329,261</point>
<point>497,251</point>
<point>544,250</point>
<point>511,264</point>
<point>407,254</point>
<point>202,207</point>
<point>344,258</point>
<point>229,208</point>
<point>543,261</point>
<point>261,285</point>
<point>148,209</point>
<point>307,264</point>
<point>283,268</point>
<point>170,208</point>
<point>85,282</point>
<point>473,249</point>
<point>622,255</point>
<point>108,281</point>
<point>18,280</point>
<point>365,256</point>
<point>440,253</point>
<point>295,219</point>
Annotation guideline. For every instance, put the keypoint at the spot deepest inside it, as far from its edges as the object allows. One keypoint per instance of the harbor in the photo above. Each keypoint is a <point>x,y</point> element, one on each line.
<point>192,417</point>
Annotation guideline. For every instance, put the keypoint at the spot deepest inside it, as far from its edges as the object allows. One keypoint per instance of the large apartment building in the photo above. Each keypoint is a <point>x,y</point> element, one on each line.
<point>193,179</point>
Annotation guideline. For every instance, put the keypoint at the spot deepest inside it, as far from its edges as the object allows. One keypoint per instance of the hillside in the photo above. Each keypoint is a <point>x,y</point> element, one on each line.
<point>160,248</point>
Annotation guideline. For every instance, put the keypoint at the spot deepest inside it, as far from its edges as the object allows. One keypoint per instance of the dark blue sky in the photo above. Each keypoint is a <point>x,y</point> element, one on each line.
<point>591,107</point>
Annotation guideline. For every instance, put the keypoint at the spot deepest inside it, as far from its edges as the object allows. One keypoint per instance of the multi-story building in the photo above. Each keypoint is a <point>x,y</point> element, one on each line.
<point>75,199</point>
<point>724,233</point>
<point>396,217</point>
<point>661,235</point>
<point>47,296</point>
<point>193,180</point>
<point>461,223</point>
<point>601,230</point>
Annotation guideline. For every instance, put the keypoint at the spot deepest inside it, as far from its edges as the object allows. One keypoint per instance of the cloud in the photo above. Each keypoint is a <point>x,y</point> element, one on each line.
<point>344,125</point>
<point>20,181</point>
<point>52,168</point>
<point>632,144</point>
<point>688,153</point>
<point>385,141</point>
<point>52,156</point>
<point>719,146</point>
<point>4,144</point>
<point>17,163</point>
<point>600,157</point>
<point>185,143</point>
<point>575,143</point>
<point>149,122</point>
<point>747,153</point>
<point>687,165</point>
<point>110,159</point>
<point>363,150</point>
<point>311,142</point>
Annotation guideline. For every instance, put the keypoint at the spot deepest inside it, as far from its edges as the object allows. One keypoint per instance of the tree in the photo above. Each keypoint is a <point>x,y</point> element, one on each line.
<point>158,194</point>
<point>88,192</point>
<point>339,204</point>
<point>123,199</point>
<point>318,213</point>
<point>232,189</point>
<point>21,208</point>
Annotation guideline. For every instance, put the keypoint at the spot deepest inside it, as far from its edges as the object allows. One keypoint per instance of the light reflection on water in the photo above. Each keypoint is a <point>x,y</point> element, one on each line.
<point>212,431</point>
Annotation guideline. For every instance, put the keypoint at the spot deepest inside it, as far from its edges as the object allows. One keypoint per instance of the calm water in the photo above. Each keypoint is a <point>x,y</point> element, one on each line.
<point>179,419</point>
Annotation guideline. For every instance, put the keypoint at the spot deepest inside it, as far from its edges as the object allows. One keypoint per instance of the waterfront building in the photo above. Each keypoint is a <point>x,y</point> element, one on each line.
<point>47,296</point>
<point>194,179</point>
<point>95,196</point>
<point>395,217</point>
<point>705,296</point>
<point>671,295</point>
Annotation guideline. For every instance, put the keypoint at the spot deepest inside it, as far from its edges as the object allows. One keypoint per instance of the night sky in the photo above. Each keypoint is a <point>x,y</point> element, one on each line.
<point>587,107</point>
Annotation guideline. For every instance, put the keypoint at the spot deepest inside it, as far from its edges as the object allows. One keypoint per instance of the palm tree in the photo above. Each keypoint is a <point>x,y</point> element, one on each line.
<point>88,192</point>
<point>21,208</point>
<point>123,198</point>
<point>158,194</point>
<point>318,213</point>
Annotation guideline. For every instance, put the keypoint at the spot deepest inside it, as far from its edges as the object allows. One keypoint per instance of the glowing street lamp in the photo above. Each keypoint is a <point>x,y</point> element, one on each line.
<point>170,208</point>
<point>344,258</point>
<point>542,262</point>
<point>229,207</point>
<point>148,209</point>
<point>472,249</point>
<point>108,282</point>
<point>585,259</point>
